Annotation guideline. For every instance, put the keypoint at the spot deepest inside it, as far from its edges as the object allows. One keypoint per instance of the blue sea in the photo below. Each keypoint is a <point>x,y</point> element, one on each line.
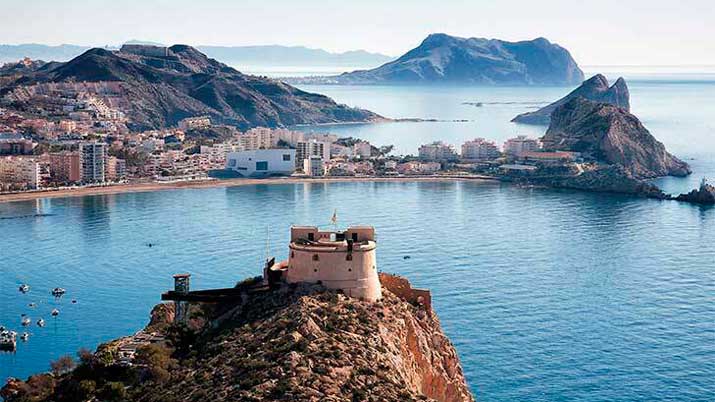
<point>548,295</point>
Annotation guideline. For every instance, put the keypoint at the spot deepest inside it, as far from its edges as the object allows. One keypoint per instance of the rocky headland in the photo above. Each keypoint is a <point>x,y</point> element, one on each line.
<point>595,89</point>
<point>297,343</point>
<point>611,135</point>
<point>156,87</point>
<point>616,152</point>
<point>445,59</point>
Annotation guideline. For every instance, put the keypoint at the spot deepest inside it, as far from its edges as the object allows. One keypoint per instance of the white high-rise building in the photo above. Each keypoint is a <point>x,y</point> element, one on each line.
<point>479,148</point>
<point>520,144</point>
<point>93,160</point>
<point>437,151</point>
<point>306,149</point>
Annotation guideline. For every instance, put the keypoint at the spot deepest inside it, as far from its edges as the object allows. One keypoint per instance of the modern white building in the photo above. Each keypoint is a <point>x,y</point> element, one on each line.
<point>313,166</point>
<point>262,162</point>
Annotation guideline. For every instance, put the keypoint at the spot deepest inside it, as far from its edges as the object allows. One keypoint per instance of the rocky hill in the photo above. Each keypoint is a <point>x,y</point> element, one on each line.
<point>610,135</point>
<point>441,58</point>
<point>160,86</point>
<point>299,343</point>
<point>594,89</point>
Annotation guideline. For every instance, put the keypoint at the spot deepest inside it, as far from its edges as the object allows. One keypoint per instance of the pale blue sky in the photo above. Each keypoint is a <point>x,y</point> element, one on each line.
<point>605,32</point>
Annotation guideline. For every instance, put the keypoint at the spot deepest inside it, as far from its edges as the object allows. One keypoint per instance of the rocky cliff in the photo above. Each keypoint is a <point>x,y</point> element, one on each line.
<point>160,86</point>
<point>299,343</point>
<point>441,58</point>
<point>594,89</point>
<point>610,135</point>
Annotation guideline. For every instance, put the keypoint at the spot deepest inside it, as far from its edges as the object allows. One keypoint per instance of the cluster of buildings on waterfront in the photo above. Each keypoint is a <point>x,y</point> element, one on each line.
<point>80,140</point>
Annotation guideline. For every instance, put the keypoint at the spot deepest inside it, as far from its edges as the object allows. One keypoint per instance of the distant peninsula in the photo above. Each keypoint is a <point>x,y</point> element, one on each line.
<point>258,55</point>
<point>156,86</point>
<point>594,89</point>
<point>445,59</point>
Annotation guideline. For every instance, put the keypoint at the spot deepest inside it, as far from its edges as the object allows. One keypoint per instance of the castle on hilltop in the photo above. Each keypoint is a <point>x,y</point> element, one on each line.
<point>342,260</point>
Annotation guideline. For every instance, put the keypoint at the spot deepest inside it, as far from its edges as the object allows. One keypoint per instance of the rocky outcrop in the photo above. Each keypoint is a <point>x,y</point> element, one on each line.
<point>594,89</point>
<point>604,179</point>
<point>160,86</point>
<point>441,58</point>
<point>610,135</point>
<point>298,343</point>
<point>705,195</point>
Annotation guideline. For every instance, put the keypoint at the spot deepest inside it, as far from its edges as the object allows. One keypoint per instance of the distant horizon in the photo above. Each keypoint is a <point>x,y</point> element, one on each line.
<point>638,32</point>
<point>308,47</point>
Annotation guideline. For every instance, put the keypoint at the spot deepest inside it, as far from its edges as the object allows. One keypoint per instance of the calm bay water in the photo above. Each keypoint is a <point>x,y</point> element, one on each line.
<point>548,295</point>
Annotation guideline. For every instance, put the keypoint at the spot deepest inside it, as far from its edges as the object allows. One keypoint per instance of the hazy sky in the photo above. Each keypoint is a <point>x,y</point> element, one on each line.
<point>604,32</point>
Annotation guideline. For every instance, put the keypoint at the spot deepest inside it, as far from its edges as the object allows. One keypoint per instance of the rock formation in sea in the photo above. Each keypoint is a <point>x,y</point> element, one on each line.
<point>704,195</point>
<point>594,89</point>
<point>442,58</point>
<point>156,87</point>
<point>610,135</point>
<point>297,343</point>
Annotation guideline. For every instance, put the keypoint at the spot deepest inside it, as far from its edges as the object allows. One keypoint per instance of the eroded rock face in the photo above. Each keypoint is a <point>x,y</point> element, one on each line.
<point>594,89</point>
<point>611,135</point>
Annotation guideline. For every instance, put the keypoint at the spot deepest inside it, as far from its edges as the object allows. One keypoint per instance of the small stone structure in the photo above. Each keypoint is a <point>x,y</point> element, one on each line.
<point>401,288</point>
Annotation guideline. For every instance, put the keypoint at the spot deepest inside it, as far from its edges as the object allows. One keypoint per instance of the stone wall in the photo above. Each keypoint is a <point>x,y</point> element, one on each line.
<point>402,288</point>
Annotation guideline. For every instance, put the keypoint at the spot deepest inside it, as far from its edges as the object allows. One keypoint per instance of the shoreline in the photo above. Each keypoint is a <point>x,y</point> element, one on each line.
<point>198,184</point>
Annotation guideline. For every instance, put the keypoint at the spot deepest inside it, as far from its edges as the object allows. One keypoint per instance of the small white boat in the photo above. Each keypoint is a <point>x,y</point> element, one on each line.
<point>32,305</point>
<point>55,312</point>
<point>25,336</point>
<point>40,322</point>
<point>24,288</point>
<point>26,321</point>
<point>58,292</point>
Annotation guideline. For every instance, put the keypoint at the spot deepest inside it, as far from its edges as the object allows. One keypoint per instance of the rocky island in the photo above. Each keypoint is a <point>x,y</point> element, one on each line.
<point>155,87</point>
<point>297,333</point>
<point>594,89</point>
<point>445,59</point>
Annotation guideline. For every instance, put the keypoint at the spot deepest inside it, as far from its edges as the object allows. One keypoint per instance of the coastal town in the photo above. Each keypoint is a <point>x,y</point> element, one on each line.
<point>71,140</point>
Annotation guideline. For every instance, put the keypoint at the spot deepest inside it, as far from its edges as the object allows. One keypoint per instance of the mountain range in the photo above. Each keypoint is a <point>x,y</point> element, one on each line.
<point>442,58</point>
<point>272,55</point>
<point>159,86</point>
